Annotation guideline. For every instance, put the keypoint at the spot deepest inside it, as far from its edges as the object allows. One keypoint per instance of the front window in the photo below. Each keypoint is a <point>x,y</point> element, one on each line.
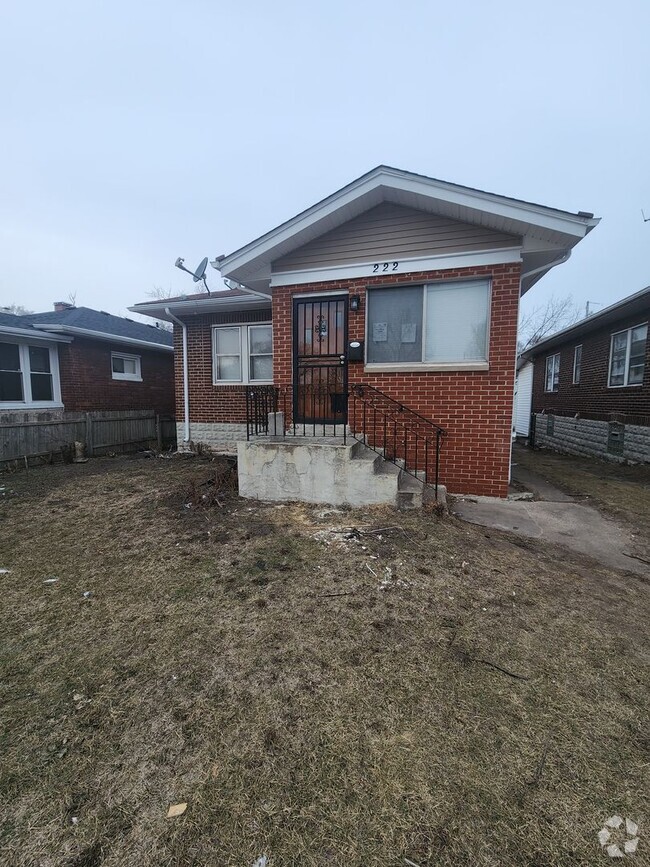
<point>552,373</point>
<point>126,366</point>
<point>439,323</point>
<point>27,375</point>
<point>577,364</point>
<point>627,357</point>
<point>11,377</point>
<point>242,354</point>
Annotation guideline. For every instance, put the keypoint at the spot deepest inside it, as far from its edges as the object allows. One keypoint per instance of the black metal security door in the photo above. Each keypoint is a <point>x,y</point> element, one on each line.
<point>320,369</point>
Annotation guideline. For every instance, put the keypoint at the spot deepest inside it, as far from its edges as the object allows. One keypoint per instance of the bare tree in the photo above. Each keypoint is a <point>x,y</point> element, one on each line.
<point>160,294</point>
<point>540,322</point>
<point>16,309</point>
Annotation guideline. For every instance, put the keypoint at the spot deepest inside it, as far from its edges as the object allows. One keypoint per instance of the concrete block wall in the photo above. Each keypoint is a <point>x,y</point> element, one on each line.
<point>588,438</point>
<point>218,436</point>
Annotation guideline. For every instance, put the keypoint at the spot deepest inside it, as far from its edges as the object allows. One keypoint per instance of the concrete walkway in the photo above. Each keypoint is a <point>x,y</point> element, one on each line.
<point>554,517</point>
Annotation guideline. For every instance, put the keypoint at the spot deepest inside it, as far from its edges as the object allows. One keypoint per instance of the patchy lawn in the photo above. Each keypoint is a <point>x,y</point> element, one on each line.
<point>431,692</point>
<point>620,490</point>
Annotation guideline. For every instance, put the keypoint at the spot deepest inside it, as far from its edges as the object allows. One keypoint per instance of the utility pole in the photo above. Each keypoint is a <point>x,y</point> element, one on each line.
<point>587,307</point>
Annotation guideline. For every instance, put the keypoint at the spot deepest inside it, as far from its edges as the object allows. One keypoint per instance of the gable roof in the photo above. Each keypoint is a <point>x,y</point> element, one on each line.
<point>547,233</point>
<point>638,303</point>
<point>86,322</point>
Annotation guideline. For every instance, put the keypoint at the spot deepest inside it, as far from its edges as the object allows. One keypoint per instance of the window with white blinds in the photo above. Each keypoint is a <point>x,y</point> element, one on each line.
<point>439,323</point>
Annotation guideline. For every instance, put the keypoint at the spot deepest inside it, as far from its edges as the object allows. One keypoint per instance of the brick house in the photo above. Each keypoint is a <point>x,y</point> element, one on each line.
<point>405,285</point>
<point>81,360</point>
<point>594,376</point>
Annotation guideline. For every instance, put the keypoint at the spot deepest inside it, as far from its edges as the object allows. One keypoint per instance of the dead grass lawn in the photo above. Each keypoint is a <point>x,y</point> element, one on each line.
<point>621,490</point>
<point>323,700</point>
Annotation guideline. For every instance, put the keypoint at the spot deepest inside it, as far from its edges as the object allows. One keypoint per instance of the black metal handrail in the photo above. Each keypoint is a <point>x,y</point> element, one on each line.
<point>386,426</point>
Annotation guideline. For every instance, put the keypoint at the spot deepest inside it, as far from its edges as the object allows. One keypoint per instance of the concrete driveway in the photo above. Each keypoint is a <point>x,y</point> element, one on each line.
<point>556,518</point>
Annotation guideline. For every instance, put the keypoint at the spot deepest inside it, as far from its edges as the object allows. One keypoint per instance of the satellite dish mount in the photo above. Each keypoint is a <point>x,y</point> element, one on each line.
<point>198,275</point>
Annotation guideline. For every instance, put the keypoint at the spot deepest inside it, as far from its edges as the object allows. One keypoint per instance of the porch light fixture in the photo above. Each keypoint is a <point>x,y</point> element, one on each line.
<point>355,303</point>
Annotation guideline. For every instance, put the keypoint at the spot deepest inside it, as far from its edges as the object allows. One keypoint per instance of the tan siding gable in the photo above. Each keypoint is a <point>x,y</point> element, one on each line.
<point>393,232</point>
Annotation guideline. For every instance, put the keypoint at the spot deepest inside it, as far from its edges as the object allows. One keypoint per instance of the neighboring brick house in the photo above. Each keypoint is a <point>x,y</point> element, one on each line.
<point>78,359</point>
<point>397,281</point>
<point>597,373</point>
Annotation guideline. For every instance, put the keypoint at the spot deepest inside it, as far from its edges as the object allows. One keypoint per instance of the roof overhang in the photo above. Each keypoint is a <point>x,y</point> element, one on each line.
<point>100,335</point>
<point>208,304</point>
<point>634,305</point>
<point>547,234</point>
<point>32,334</point>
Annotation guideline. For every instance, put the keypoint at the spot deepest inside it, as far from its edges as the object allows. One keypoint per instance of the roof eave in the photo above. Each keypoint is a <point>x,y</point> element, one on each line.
<point>574,226</point>
<point>104,336</point>
<point>33,334</point>
<point>618,310</point>
<point>208,305</point>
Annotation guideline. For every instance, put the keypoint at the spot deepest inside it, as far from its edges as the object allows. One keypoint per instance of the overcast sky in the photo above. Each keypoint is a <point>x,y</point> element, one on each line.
<point>135,132</point>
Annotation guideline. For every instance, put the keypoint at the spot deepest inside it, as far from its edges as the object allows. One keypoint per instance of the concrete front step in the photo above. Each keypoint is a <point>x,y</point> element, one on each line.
<point>326,470</point>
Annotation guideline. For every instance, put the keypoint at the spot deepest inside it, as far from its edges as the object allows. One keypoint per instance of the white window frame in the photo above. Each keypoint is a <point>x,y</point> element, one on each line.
<point>130,377</point>
<point>628,331</point>
<point>23,355</point>
<point>577,364</point>
<point>244,353</point>
<point>555,364</point>
<point>416,366</point>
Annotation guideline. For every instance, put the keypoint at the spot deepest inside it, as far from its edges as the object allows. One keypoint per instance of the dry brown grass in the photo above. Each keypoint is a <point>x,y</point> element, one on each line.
<point>621,490</point>
<point>212,664</point>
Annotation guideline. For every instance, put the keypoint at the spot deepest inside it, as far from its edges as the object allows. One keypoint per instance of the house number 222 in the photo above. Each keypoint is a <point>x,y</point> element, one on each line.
<point>384,266</point>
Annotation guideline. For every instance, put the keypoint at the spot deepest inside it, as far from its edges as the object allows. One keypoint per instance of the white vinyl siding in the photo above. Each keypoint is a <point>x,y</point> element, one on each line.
<point>439,323</point>
<point>242,354</point>
<point>29,376</point>
<point>552,379</point>
<point>577,364</point>
<point>126,367</point>
<point>389,232</point>
<point>523,399</point>
<point>627,356</point>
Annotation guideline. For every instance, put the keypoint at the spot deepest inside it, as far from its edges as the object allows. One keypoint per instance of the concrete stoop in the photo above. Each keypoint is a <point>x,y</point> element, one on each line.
<point>324,470</point>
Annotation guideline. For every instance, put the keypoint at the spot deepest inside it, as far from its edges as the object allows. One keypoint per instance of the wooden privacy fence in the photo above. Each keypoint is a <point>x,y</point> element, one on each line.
<point>99,431</point>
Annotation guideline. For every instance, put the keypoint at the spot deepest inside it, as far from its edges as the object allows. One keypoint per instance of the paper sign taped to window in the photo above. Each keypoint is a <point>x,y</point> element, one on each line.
<point>409,332</point>
<point>379,332</point>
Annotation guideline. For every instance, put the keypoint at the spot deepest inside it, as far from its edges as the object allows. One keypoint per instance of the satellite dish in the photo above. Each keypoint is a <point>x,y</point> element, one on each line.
<point>197,275</point>
<point>200,271</point>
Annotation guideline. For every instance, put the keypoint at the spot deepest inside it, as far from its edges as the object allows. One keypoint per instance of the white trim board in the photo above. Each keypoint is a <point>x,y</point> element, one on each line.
<point>360,270</point>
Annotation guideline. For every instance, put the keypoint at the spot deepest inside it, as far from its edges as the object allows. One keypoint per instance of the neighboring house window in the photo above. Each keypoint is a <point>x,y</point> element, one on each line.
<point>126,366</point>
<point>439,323</point>
<point>627,356</point>
<point>28,375</point>
<point>577,364</point>
<point>242,353</point>
<point>552,373</point>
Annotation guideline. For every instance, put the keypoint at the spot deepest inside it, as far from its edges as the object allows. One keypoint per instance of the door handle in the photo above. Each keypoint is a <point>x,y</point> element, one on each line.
<point>342,358</point>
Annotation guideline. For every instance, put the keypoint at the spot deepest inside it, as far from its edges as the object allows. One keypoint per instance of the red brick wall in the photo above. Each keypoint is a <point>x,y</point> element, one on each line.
<point>592,398</point>
<point>208,402</point>
<point>475,408</point>
<point>87,383</point>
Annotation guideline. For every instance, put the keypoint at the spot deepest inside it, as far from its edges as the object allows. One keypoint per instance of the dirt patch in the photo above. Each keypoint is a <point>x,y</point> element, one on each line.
<point>324,686</point>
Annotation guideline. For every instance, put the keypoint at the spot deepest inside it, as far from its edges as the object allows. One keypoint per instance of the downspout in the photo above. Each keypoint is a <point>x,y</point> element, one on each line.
<point>186,377</point>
